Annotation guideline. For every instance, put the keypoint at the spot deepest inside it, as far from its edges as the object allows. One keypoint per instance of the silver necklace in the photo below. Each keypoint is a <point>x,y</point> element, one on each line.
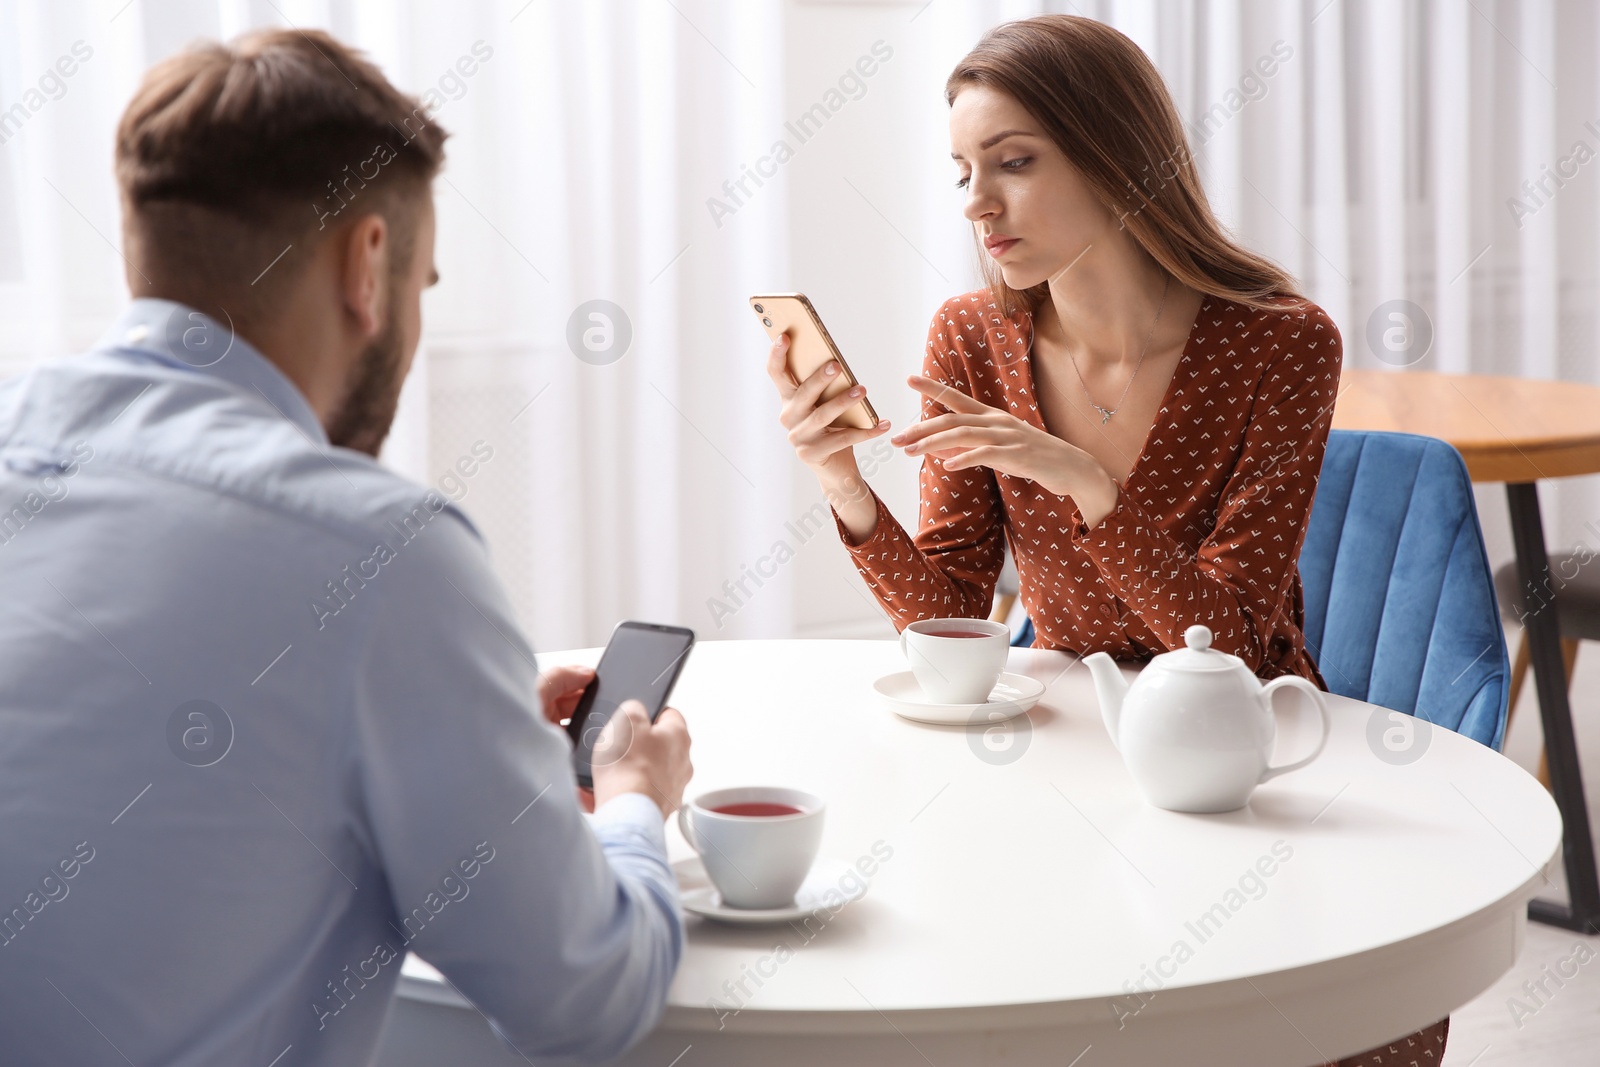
<point>1106,413</point>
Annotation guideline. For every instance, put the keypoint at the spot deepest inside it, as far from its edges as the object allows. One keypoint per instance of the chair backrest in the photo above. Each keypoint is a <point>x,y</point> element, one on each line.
<point>1399,596</point>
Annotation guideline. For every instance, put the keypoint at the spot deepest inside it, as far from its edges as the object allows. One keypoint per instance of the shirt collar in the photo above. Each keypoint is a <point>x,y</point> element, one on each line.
<point>179,336</point>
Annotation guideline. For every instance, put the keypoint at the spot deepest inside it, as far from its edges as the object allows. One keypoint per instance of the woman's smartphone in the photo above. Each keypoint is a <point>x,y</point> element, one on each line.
<point>809,348</point>
<point>641,662</point>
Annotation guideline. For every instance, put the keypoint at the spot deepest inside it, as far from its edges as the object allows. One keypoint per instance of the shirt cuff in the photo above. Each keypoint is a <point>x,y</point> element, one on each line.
<point>631,817</point>
<point>1118,544</point>
<point>1117,521</point>
<point>880,532</point>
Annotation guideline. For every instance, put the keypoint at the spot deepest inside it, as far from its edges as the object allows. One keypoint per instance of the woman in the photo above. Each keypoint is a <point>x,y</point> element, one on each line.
<point>1137,405</point>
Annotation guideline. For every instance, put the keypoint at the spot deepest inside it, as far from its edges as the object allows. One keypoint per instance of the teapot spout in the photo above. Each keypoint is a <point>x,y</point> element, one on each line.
<point>1110,687</point>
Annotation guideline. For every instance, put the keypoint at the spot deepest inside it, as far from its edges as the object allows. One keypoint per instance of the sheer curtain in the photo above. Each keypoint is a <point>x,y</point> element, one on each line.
<point>616,475</point>
<point>1433,152</point>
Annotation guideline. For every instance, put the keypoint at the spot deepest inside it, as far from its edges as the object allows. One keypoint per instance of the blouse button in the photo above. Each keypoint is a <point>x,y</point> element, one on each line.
<point>1105,610</point>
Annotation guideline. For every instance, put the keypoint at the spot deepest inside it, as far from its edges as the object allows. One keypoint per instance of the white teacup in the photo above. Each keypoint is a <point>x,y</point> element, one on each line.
<point>756,861</point>
<point>956,670</point>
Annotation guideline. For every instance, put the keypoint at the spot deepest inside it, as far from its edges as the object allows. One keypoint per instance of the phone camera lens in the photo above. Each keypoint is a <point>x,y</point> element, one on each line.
<point>760,309</point>
<point>766,321</point>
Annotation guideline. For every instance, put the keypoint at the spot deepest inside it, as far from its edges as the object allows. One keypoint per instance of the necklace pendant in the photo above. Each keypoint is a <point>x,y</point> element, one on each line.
<point>1105,414</point>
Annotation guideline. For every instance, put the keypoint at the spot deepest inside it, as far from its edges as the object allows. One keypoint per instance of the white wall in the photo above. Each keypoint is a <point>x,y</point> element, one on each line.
<point>867,249</point>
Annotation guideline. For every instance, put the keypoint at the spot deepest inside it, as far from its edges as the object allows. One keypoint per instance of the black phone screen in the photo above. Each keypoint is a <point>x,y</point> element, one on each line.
<point>641,662</point>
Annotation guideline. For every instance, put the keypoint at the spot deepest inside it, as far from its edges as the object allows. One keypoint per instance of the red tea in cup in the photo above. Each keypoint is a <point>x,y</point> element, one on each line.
<point>759,808</point>
<point>757,843</point>
<point>959,671</point>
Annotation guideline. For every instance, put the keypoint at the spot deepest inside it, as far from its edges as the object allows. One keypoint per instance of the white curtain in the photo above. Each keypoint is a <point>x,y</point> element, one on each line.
<point>615,487</point>
<point>1435,152</point>
<point>1378,149</point>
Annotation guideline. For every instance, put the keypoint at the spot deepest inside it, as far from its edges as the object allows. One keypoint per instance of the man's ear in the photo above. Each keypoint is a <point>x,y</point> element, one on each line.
<point>367,247</point>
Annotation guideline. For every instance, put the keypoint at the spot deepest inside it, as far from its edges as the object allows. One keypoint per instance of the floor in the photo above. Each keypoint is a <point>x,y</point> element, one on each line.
<point>1557,1025</point>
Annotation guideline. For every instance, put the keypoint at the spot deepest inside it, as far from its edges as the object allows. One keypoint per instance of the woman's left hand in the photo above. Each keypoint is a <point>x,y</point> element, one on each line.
<point>973,434</point>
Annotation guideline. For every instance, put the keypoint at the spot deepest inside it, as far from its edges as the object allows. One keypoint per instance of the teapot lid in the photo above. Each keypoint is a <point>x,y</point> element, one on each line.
<point>1198,655</point>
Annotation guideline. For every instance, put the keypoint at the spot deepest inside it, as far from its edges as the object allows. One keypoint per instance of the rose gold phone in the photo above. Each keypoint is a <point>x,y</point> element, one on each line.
<point>809,348</point>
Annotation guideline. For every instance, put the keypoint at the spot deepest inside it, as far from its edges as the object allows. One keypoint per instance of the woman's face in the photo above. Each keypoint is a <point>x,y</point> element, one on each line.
<point>1031,208</point>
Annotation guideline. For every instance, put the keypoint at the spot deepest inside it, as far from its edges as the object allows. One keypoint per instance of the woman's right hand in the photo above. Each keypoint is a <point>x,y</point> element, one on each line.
<point>826,449</point>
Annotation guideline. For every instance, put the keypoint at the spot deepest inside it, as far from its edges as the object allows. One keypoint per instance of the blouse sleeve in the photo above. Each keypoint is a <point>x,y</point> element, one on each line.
<point>949,569</point>
<point>1239,580</point>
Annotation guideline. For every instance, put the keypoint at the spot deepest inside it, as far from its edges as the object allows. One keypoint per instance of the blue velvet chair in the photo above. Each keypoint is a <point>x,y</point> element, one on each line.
<point>1399,597</point>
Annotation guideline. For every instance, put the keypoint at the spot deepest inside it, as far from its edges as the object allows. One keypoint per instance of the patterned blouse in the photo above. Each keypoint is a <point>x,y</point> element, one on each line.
<point>1208,525</point>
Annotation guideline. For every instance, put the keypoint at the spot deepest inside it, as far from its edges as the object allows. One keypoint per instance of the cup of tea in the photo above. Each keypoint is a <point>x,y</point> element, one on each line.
<point>956,661</point>
<point>757,842</point>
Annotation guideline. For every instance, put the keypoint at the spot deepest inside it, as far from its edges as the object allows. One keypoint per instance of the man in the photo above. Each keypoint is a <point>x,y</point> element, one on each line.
<point>266,720</point>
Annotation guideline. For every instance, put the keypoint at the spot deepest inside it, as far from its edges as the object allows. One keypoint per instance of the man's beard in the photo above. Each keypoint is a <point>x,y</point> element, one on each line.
<point>372,394</point>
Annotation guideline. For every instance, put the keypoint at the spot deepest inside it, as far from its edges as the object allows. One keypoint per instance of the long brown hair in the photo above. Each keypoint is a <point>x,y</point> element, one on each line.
<point>1103,103</point>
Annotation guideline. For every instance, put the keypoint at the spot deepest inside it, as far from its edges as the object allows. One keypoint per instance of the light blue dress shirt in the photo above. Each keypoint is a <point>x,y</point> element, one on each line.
<point>267,723</point>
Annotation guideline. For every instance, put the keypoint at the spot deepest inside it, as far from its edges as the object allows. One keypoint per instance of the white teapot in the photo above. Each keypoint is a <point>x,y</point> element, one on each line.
<point>1196,727</point>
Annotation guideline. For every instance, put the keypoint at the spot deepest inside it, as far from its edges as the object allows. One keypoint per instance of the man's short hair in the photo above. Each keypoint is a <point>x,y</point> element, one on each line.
<point>229,153</point>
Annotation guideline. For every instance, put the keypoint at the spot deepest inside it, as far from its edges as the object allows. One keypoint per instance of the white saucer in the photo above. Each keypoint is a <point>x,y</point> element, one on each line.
<point>1012,695</point>
<point>821,891</point>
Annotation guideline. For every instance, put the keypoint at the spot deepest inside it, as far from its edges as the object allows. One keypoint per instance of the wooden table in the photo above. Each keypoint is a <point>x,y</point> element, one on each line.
<point>1024,902</point>
<point>1516,431</point>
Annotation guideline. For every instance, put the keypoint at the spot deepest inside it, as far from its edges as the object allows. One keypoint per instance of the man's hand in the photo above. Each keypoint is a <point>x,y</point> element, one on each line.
<point>634,755</point>
<point>560,689</point>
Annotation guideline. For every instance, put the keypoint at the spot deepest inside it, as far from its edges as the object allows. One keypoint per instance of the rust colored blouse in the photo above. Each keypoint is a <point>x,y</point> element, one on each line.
<point>1208,524</point>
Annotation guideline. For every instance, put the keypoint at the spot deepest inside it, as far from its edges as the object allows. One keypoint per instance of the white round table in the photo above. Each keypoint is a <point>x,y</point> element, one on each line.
<point>1026,906</point>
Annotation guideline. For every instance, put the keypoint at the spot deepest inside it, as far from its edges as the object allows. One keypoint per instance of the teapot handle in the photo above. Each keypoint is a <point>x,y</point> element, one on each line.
<point>1294,681</point>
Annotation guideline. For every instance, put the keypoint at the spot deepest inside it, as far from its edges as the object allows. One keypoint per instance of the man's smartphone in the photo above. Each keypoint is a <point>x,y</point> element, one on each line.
<point>809,348</point>
<point>641,662</point>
